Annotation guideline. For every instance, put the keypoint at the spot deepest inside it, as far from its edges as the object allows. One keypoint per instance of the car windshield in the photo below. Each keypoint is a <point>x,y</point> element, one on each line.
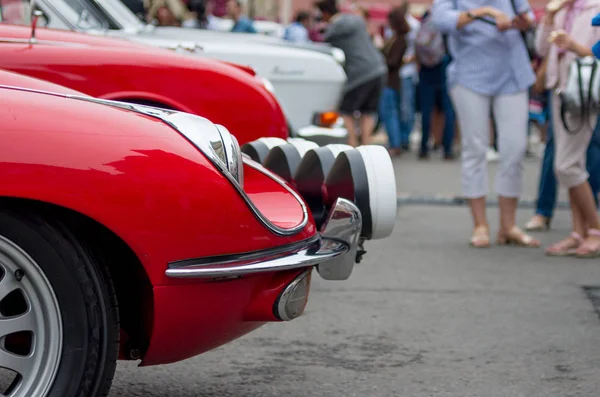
<point>83,15</point>
<point>122,16</point>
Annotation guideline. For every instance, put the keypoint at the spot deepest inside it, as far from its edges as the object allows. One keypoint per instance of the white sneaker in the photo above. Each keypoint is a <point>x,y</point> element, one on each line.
<point>492,155</point>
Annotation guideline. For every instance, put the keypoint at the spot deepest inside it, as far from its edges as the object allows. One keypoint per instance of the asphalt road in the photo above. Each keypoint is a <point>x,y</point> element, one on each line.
<point>422,315</point>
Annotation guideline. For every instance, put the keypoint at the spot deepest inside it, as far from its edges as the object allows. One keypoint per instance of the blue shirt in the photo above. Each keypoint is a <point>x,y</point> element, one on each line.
<point>296,33</point>
<point>484,59</point>
<point>243,25</point>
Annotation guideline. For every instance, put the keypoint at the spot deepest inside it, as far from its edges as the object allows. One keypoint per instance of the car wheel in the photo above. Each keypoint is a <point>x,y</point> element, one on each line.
<point>59,328</point>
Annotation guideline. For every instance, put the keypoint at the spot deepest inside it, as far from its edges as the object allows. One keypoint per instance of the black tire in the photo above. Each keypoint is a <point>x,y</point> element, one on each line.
<point>86,299</point>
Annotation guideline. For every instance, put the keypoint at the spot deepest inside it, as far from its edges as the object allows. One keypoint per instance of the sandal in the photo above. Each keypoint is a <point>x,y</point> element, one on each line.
<point>481,237</point>
<point>517,237</point>
<point>538,223</point>
<point>590,248</point>
<point>565,247</point>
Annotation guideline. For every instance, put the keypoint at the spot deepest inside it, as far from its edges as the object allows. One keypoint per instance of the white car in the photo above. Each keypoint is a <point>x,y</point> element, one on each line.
<point>268,28</point>
<point>308,82</point>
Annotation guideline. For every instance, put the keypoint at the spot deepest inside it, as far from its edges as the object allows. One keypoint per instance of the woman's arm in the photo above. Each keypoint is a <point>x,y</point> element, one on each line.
<point>467,17</point>
<point>564,41</point>
<point>540,77</point>
<point>542,34</point>
<point>580,49</point>
<point>447,19</point>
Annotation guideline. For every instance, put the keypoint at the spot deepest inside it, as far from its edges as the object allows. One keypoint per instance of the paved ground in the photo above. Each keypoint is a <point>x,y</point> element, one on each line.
<point>423,315</point>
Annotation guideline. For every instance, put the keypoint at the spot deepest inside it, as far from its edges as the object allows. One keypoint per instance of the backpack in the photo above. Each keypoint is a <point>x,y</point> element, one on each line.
<point>429,45</point>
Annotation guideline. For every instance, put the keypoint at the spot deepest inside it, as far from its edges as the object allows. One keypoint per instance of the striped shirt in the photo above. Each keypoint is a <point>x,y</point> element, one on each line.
<point>484,59</point>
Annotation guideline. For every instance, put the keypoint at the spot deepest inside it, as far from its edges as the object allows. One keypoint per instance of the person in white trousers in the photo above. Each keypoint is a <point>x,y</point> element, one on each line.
<point>490,70</point>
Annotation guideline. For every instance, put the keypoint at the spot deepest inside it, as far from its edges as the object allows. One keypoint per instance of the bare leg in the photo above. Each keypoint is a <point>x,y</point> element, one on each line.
<point>367,123</point>
<point>481,234</point>
<point>349,123</point>
<point>585,218</point>
<point>508,213</point>
<point>477,206</point>
<point>582,222</point>
<point>579,221</point>
<point>584,197</point>
<point>509,233</point>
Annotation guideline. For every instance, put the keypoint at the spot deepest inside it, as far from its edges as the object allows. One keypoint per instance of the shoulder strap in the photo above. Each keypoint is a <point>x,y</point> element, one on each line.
<point>590,104</point>
<point>514,7</point>
<point>513,3</point>
<point>446,47</point>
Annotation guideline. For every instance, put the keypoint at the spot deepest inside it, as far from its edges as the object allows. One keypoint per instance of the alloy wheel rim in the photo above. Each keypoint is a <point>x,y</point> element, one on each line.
<point>30,325</point>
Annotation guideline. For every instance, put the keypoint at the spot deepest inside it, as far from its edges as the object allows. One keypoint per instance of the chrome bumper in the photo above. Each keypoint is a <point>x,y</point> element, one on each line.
<point>336,132</point>
<point>334,252</point>
<point>324,135</point>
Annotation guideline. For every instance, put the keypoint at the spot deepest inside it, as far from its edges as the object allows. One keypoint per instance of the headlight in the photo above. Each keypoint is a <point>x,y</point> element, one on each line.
<point>279,156</point>
<point>283,160</point>
<point>233,154</point>
<point>259,149</point>
<point>366,176</point>
<point>310,177</point>
<point>215,141</point>
<point>267,84</point>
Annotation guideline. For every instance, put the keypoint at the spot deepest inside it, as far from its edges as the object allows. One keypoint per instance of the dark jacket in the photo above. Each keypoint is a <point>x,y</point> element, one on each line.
<point>393,51</point>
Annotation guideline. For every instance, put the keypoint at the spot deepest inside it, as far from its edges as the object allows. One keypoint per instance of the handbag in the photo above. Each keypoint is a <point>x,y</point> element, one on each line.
<point>582,91</point>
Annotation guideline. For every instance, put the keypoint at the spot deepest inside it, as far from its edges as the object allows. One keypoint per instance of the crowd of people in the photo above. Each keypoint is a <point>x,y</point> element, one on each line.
<point>190,13</point>
<point>488,73</point>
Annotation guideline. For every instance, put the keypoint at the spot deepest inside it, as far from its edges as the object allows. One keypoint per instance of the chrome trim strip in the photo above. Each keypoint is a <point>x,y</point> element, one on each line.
<point>213,147</point>
<point>334,252</point>
<point>10,40</point>
<point>230,143</point>
<point>310,255</point>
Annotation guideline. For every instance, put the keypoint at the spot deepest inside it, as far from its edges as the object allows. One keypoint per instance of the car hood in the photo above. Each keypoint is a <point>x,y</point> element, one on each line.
<point>159,56</point>
<point>29,83</point>
<point>212,35</point>
<point>201,36</point>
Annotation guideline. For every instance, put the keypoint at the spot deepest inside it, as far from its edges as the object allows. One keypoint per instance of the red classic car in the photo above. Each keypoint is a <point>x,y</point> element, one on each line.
<point>133,232</point>
<point>122,70</point>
